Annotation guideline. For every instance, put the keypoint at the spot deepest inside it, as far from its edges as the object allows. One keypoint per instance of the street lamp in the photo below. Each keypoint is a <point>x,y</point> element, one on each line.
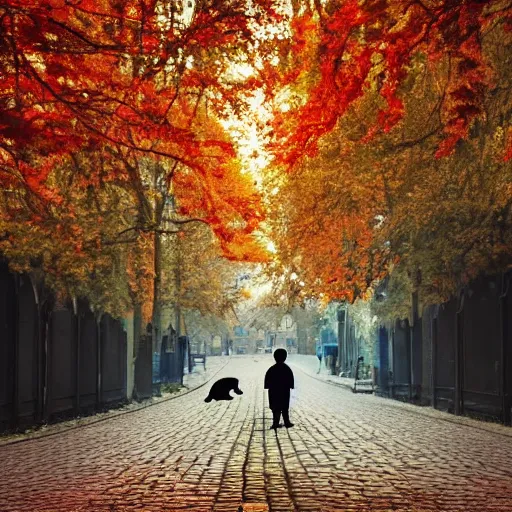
<point>342,337</point>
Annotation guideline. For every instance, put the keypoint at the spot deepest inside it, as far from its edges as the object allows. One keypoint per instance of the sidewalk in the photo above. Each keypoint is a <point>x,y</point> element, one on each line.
<point>198,377</point>
<point>309,364</point>
<point>192,381</point>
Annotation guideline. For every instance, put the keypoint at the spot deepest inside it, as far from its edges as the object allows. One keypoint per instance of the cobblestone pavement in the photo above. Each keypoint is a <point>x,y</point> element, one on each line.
<point>346,453</point>
<point>310,365</point>
<point>191,381</point>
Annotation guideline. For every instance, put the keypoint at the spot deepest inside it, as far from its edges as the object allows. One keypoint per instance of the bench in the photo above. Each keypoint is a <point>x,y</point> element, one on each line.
<point>199,358</point>
<point>362,385</point>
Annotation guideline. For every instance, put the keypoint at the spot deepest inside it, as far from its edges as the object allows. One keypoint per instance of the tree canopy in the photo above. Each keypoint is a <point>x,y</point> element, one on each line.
<point>390,138</point>
<point>108,111</point>
<point>392,146</point>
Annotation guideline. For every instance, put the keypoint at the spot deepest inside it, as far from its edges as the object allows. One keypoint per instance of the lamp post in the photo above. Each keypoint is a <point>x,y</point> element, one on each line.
<point>342,337</point>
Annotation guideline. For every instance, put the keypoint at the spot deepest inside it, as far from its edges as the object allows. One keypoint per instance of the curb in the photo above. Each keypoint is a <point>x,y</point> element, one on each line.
<point>115,414</point>
<point>326,381</point>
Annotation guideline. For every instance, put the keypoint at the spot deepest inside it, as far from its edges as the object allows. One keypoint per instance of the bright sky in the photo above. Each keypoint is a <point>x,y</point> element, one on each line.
<point>251,128</point>
<point>249,133</point>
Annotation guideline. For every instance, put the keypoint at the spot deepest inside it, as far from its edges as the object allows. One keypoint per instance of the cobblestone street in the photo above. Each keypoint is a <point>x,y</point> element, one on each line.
<point>346,452</point>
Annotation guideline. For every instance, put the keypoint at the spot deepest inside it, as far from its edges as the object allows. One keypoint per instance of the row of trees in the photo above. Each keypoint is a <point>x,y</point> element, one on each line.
<point>117,177</point>
<point>394,132</point>
<point>390,138</point>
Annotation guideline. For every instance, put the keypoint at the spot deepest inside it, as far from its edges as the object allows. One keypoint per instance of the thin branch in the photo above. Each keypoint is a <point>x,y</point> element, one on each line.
<point>185,221</point>
<point>84,39</point>
<point>133,228</point>
<point>93,129</point>
<point>165,231</point>
<point>413,142</point>
<point>115,242</point>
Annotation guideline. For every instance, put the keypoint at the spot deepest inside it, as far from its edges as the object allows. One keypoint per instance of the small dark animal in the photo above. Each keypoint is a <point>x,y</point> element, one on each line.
<point>221,389</point>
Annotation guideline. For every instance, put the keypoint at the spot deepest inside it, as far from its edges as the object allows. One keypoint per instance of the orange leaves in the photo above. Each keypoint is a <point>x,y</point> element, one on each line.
<point>108,109</point>
<point>343,66</point>
<point>323,223</point>
<point>243,247</point>
<point>508,150</point>
<point>303,29</point>
<point>127,114</point>
<point>140,272</point>
<point>367,47</point>
<point>465,95</point>
<point>226,200</point>
<point>118,71</point>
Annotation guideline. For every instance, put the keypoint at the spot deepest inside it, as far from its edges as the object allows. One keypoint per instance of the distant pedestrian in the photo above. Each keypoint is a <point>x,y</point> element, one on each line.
<point>319,355</point>
<point>279,380</point>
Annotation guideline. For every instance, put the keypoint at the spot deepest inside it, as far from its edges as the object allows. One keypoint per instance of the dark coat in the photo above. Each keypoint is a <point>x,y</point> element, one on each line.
<point>279,381</point>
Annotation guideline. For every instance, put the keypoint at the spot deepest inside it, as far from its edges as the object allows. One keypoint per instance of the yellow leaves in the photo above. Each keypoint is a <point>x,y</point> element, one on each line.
<point>196,273</point>
<point>246,293</point>
<point>508,149</point>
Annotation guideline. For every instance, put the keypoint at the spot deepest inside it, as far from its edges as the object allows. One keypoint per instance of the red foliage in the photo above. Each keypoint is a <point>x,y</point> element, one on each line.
<point>508,151</point>
<point>359,37</point>
<point>100,73</point>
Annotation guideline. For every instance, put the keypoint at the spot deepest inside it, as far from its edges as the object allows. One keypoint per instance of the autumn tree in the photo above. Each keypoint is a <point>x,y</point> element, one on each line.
<point>136,89</point>
<point>394,136</point>
<point>198,281</point>
<point>352,46</point>
<point>202,327</point>
<point>72,241</point>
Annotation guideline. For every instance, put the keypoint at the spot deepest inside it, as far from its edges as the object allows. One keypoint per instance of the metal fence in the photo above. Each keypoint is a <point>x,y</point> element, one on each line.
<point>172,358</point>
<point>400,381</point>
<point>444,334</point>
<point>466,353</point>
<point>8,347</point>
<point>143,386</point>
<point>55,359</point>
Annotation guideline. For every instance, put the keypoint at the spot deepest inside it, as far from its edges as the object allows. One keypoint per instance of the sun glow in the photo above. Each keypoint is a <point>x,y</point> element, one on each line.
<point>271,247</point>
<point>250,130</point>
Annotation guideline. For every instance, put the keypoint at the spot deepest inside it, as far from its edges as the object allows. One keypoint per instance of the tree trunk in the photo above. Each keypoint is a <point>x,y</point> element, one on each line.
<point>416,337</point>
<point>137,333</point>
<point>156,317</point>
<point>137,328</point>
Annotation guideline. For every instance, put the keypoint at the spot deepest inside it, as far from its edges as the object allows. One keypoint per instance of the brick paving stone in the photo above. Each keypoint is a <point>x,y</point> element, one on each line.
<point>346,453</point>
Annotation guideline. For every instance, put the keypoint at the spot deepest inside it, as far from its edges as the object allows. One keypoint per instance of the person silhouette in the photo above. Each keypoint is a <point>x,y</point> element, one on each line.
<point>279,381</point>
